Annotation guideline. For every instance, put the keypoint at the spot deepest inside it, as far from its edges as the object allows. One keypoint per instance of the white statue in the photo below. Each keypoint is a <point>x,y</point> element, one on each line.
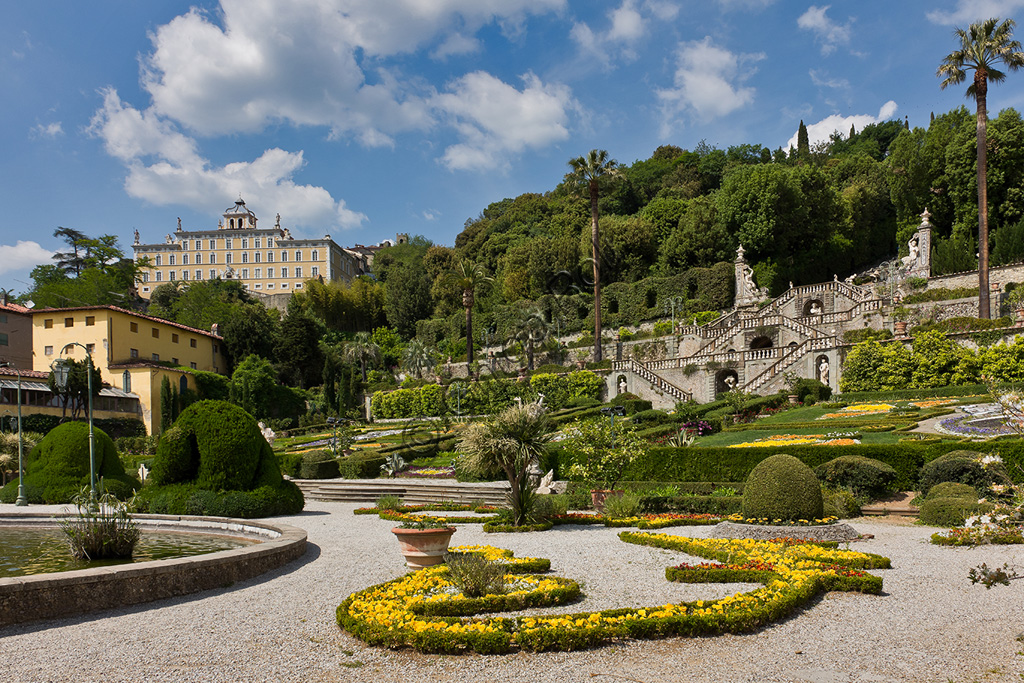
<point>546,482</point>
<point>622,385</point>
<point>730,382</point>
<point>823,371</point>
<point>143,473</point>
<point>815,308</point>
<point>267,433</point>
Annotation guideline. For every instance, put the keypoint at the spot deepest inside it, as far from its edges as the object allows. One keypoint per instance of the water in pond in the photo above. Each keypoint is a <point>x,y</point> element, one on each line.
<point>25,551</point>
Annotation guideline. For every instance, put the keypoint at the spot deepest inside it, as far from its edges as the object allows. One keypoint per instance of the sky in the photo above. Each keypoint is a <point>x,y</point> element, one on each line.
<point>365,118</point>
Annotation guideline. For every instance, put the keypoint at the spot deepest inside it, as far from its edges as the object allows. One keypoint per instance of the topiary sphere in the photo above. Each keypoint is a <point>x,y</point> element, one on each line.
<point>219,447</point>
<point>782,487</point>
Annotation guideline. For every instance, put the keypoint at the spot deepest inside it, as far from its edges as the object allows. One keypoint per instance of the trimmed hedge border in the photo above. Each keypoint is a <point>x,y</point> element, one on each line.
<point>793,574</point>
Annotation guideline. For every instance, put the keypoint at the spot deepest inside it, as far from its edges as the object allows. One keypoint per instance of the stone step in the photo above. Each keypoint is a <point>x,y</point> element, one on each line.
<point>409,490</point>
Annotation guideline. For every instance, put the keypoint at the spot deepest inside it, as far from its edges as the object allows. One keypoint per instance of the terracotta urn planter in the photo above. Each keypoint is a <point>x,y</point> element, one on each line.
<point>794,398</point>
<point>423,547</point>
<point>900,327</point>
<point>1020,317</point>
<point>599,496</point>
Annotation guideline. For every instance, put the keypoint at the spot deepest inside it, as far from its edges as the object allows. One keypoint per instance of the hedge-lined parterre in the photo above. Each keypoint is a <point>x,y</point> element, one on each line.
<point>399,613</point>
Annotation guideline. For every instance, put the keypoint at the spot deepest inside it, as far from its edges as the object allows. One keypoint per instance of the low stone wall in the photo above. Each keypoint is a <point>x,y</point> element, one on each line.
<point>63,594</point>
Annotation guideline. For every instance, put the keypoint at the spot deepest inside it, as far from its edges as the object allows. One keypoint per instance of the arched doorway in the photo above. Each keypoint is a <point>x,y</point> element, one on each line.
<point>762,342</point>
<point>726,381</point>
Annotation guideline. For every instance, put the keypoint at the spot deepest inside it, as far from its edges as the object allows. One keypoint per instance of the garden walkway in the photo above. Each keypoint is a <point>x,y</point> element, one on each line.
<point>930,625</point>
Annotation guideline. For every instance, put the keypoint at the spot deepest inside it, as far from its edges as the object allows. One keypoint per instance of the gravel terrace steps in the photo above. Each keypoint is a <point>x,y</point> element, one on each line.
<point>411,491</point>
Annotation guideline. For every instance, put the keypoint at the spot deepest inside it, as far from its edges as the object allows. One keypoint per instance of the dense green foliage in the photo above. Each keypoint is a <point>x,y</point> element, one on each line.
<point>488,396</point>
<point>215,446</point>
<point>936,362</point>
<point>864,476</point>
<point>965,467</point>
<point>58,467</point>
<point>782,487</point>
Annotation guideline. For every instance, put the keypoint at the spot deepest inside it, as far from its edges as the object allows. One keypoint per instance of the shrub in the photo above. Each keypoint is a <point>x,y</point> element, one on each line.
<point>187,499</point>
<point>475,576</point>
<point>319,465</point>
<point>58,466</point>
<point>953,489</point>
<point>864,476</point>
<point>782,487</point>
<point>950,512</point>
<point>811,391</point>
<point>841,503</point>
<point>965,467</point>
<point>620,507</point>
<point>107,531</point>
<point>360,465</point>
<point>695,504</point>
<point>290,463</point>
<point>217,446</point>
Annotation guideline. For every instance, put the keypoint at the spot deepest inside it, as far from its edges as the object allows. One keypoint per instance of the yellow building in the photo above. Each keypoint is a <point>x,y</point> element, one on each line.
<point>133,352</point>
<point>264,260</point>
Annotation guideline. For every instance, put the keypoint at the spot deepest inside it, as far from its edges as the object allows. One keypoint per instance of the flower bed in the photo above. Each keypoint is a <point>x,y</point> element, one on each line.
<point>410,513</point>
<point>858,410</point>
<point>764,521</point>
<point>830,439</point>
<point>394,614</point>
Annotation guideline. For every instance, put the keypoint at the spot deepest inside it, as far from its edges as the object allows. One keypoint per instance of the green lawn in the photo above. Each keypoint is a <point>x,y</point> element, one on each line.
<point>731,438</point>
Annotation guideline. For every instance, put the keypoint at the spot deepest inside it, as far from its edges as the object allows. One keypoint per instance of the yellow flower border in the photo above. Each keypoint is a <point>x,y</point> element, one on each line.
<point>792,574</point>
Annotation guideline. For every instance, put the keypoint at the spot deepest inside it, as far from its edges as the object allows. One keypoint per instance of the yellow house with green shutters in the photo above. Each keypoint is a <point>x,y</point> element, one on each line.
<point>133,352</point>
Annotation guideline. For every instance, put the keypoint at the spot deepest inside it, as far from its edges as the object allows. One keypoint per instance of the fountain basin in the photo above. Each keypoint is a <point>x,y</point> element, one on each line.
<point>63,594</point>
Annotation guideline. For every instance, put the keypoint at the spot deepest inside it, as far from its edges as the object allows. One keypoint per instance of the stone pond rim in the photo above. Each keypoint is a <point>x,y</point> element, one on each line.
<point>64,594</point>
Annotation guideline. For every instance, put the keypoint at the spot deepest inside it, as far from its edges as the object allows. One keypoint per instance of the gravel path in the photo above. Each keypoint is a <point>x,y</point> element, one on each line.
<point>931,625</point>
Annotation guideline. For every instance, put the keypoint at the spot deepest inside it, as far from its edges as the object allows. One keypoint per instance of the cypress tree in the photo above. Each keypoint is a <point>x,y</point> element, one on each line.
<point>803,144</point>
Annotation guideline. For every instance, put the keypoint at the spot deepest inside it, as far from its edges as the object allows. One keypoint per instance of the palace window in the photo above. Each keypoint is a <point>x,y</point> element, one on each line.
<point>135,353</point>
<point>315,270</point>
<point>199,274</point>
<point>284,272</point>
<point>159,276</point>
<point>159,260</point>
<point>298,271</point>
<point>259,273</point>
<point>256,243</point>
<point>245,257</point>
<point>213,244</point>
<point>213,258</point>
<point>284,257</point>
<point>270,257</point>
<point>270,243</point>
<point>245,243</point>
<point>227,257</point>
<point>173,276</point>
<point>199,259</point>
<point>213,274</point>
<point>227,243</point>
<point>245,273</point>
<point>270,272</point>
<point>316,255</point>
<point>170,259</point>
<point>298,255</point>
<point>184,275</point>
<point>69,322</point>
<point>184,259</point>
<point>257,257</point>
<point>90,320</point>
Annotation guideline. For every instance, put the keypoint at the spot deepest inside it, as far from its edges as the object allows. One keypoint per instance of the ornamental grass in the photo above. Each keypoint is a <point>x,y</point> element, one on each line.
<point>400,613</point>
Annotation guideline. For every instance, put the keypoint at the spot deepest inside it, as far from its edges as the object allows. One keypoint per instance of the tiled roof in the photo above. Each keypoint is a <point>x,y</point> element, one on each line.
<point>27,374</point>
<point>14,308</point>
<point>134,315</point>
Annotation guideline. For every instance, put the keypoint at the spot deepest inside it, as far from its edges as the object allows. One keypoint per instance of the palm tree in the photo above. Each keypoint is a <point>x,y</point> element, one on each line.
<point>531,329</point>
<point>417,356</point>
<point>587,172</point>
<point>469,277</point>
<point>982,46</point>
<point>363,350</point>
<point>513,440</point>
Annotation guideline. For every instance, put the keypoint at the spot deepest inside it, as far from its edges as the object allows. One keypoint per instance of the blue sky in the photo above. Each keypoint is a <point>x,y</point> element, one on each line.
<point>364,118</point>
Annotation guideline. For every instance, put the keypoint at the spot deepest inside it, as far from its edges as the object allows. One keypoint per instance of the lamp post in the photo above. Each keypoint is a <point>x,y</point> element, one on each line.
<point>22,499</point>
<point>672,302</point>
<point>611,412</point>
<point>61,375</point>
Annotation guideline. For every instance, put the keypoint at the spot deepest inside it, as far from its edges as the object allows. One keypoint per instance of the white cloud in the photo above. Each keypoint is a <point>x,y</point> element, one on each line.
<point>430,214</point>
<point>662,9</point>
<point>23,256</point>
<point>970,11</point>
<point>494,119</point>
<point>822,130</point>
<point>820,79</point>
<point>50,130</point>
<point>456,44</point>
<point>827,32</point>
<point>164,167</point>
<point>707,82</point>
<point>259,62</point>
<point>627,26</point>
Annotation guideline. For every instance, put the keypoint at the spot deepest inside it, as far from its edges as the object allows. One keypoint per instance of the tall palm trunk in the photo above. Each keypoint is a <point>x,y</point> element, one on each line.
<point>981,95</point>
<point>595,243</point>
<point>467,302</point>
